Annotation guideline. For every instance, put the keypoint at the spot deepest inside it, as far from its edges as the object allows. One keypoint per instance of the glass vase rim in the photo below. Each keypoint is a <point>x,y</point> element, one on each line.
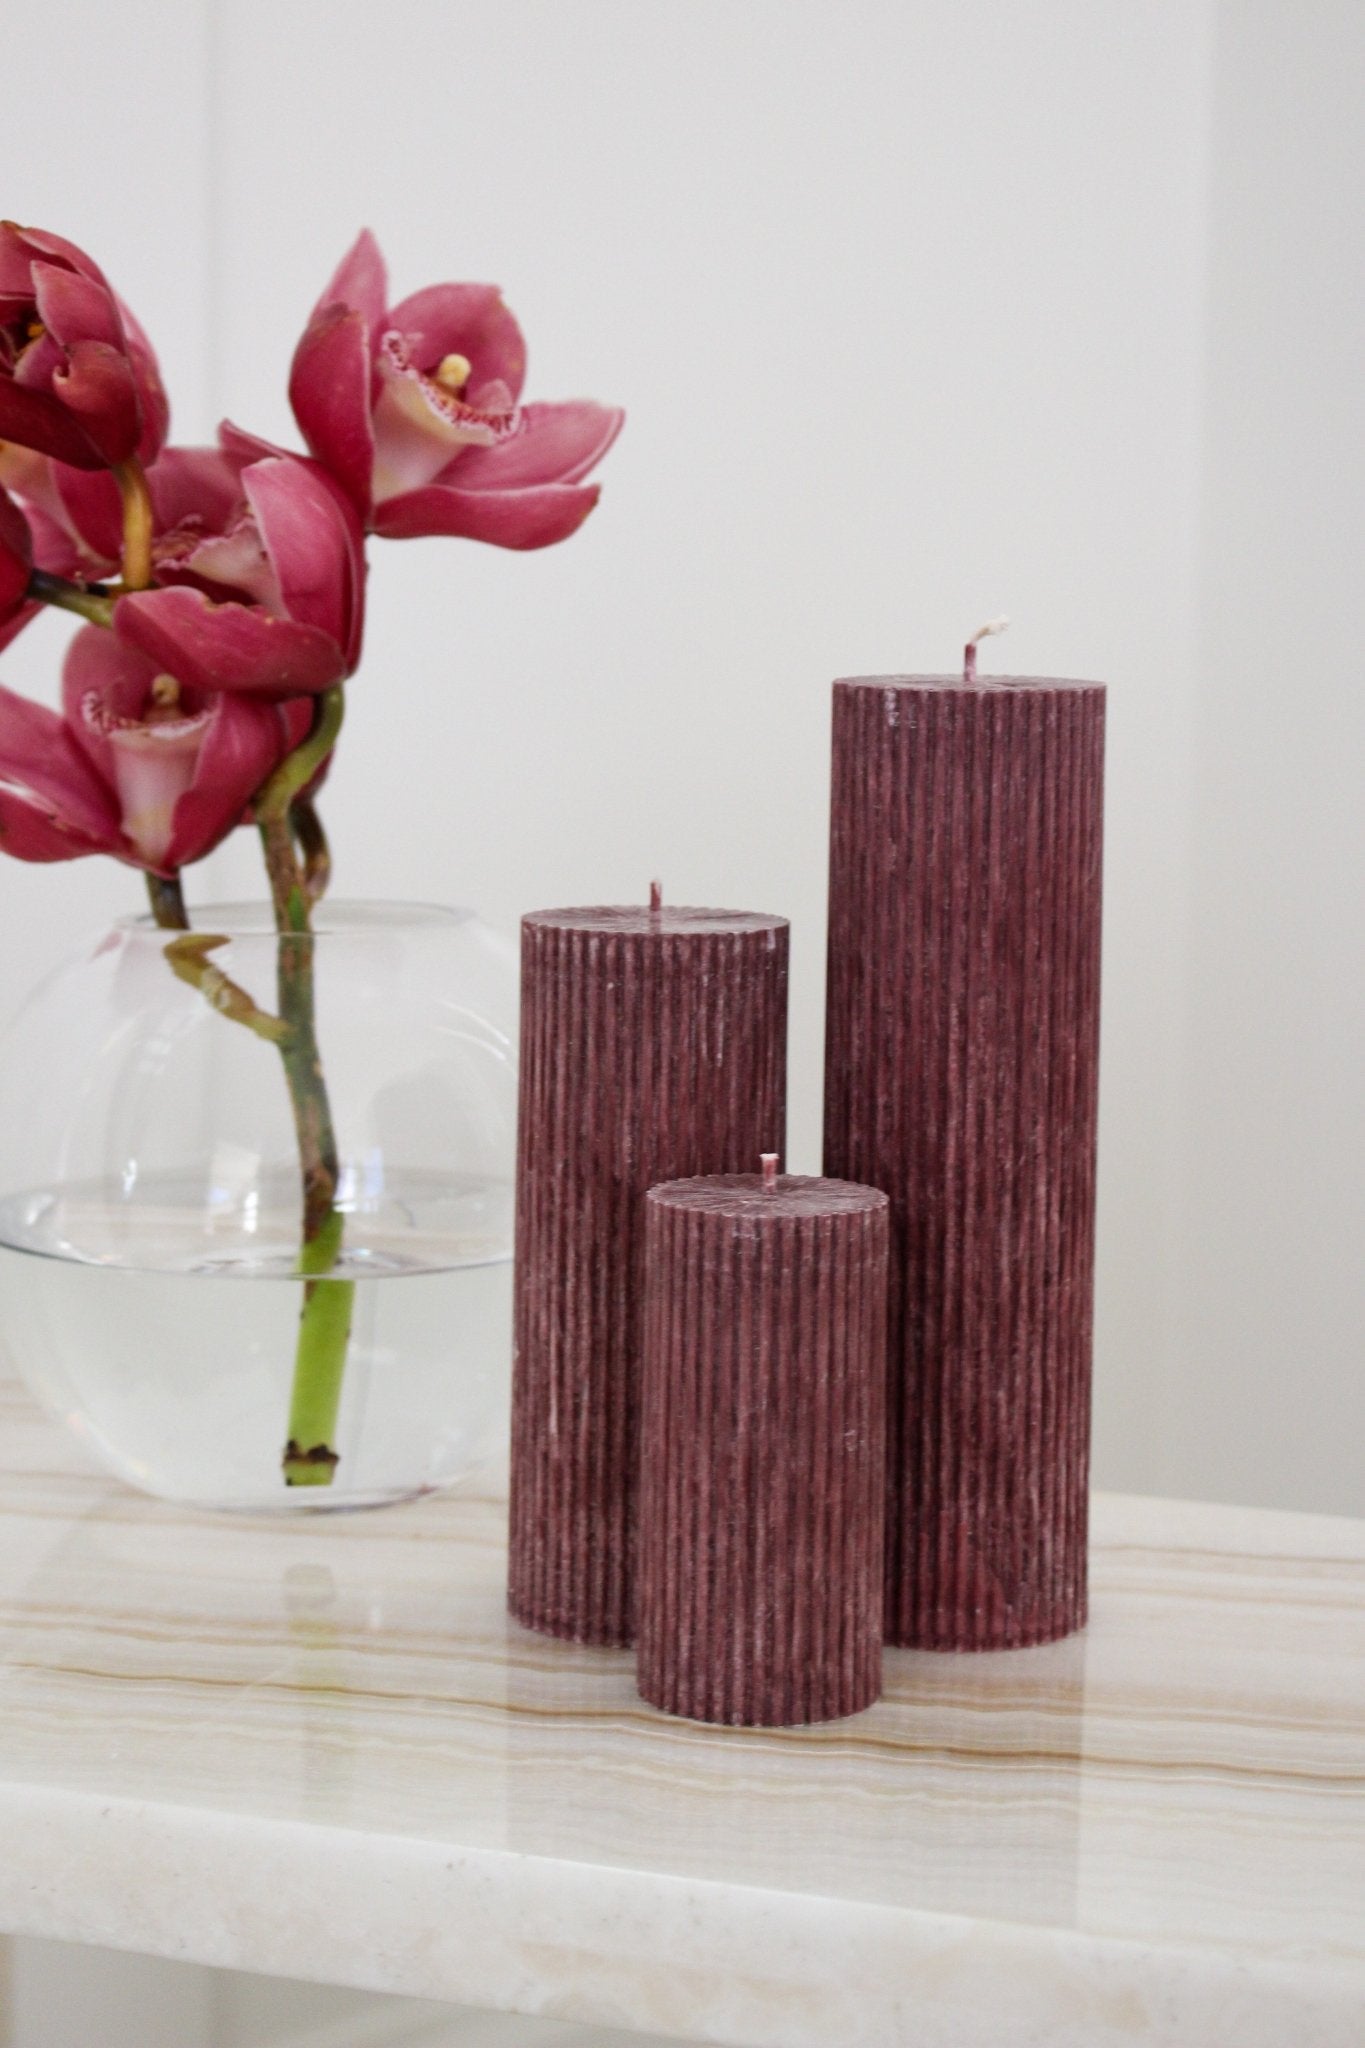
<point>342,917</point>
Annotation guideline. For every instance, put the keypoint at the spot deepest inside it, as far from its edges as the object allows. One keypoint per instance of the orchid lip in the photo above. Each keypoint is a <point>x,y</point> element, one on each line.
<point>441,386</point>
<point>237,561</point>
<point>165,727</point>
<point>155,760</point>
<point>420,423</point>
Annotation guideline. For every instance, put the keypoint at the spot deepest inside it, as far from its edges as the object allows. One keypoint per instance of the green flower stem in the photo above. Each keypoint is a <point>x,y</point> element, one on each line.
<point>90,601</point>
<point>310,1455</point>
<point>319,1363</point>
<point>297,770</point>
<point>188,957</point>
<point>167,899</point>
<point>314,852</point>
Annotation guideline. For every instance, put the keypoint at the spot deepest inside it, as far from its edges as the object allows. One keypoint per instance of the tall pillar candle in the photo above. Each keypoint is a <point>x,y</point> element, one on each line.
<point>653,1046</point>
<point>763,1449</point>
<point>961,1072</point>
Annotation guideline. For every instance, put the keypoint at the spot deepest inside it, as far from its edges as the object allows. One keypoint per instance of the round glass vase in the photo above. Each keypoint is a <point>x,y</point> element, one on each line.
<point>152,1201</point>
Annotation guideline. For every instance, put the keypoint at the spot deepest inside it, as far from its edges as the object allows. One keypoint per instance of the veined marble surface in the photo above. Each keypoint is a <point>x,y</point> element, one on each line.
<point>320,1749</point>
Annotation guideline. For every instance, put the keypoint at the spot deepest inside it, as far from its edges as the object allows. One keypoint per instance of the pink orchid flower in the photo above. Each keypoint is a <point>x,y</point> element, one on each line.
<point>16,563</point>
<point>415,411</point>
<point>78,379</point>
<point>264,594</point>
<point>259,566</point>
<point>135,765</point>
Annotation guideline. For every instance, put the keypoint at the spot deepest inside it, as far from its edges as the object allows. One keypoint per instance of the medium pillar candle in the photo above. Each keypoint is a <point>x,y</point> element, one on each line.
<point>763,1459</point>
<point>961,1070</point>
<point>653,1045</point>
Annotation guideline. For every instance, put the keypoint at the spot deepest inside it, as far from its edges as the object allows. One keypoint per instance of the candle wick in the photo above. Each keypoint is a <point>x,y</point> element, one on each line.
<point>656,896</point>
<point>969,651</point>
<point>768,1161</point>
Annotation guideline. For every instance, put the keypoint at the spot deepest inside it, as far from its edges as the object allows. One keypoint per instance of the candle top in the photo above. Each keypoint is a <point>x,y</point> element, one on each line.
<point>672,920</point>
<point>973,686</point>
<point>750,1196</point>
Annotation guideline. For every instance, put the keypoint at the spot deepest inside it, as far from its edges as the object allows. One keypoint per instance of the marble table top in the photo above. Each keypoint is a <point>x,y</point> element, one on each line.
<point>319,1748</point>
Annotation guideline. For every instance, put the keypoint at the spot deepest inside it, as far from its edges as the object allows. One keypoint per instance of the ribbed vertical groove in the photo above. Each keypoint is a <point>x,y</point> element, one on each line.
<point>763,1450</point>
<point>653,1045</point>
<point>961,1076</point>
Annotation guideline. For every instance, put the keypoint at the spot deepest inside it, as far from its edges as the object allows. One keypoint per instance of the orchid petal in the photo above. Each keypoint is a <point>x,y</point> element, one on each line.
<point>195,484</point>
<point>16,555</point>
<point>553,444</point>
<point>31,830</point>
<point>37,420</point>
<point>156,411</point>
<point>244,743</point>
<point>99,387</point>
<point>469,320</point>
<point>313,539</point>
<point>235,562</point>
<point>56,508</point>
<point>360,283</point>
<point>37,363</point>
<point>329,389</point>
<point>92,512</point>
<point>53,547</point>
<point>357,569</point>
<point>533,518</point>
<point>242,447</point>
<point>237,442</point>
<point>16,270</point>
<point>25,473</point>
<point>53,805</point>
<point>27,246</point>
<point>16,561</point>
<point>209,646</point>
<point>296,714</point>
<point>75,308</point>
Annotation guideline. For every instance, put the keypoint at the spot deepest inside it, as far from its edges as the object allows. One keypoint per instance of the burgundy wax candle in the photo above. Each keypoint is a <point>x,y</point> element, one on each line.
<point>653,1045</point>
<point>763,1460</point>
<point>961,1069</point>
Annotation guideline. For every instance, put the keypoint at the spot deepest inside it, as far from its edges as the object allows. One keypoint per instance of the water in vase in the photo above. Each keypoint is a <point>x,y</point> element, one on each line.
<point>162,1330</point>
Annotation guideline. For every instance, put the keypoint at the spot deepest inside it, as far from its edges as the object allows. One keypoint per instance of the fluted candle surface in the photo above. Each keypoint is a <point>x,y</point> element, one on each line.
<point>961,1076</point>
<point>763,1449</point>
<point>653,1046</point>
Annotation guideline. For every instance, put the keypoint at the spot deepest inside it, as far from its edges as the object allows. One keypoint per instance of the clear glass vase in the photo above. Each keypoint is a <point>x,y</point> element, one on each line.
<point>151,1198</point>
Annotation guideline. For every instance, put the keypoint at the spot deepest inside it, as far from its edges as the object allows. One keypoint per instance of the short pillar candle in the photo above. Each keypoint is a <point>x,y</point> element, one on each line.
<point>763,1449</point>
<point>653,1045</point>
<point>961,1070</point>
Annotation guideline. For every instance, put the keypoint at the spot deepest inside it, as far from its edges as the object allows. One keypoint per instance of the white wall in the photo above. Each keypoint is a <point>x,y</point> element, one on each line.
<point>112,100</point>
<point>921,312</point>
<point>1264,1394</point>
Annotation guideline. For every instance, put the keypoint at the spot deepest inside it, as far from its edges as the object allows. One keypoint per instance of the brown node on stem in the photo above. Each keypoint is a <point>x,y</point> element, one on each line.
<point>316,1454</point>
